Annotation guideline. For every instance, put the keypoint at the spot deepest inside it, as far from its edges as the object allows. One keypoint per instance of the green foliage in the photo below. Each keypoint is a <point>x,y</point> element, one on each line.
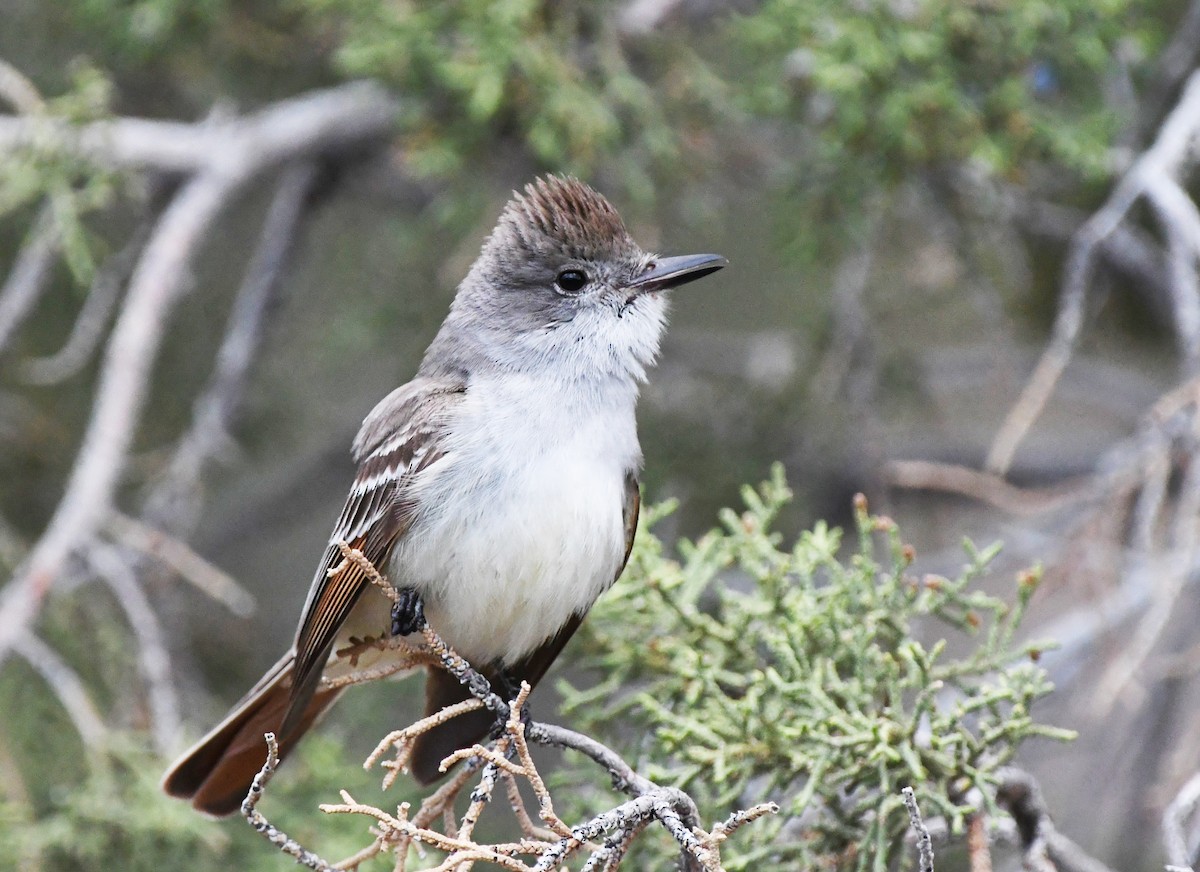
<point>72,187</point>
<point>139,30</point>
<point>558,77</point>
<point>914,83</point>
<point>853,98</point>
<point>111,814</point>
<point>752,671</point>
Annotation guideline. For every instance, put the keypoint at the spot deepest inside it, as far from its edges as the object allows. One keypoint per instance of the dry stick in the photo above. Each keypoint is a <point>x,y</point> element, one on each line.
<point>294,128</point>
<point>924,842</point>
<point>1181,223</point>
<point>154,661</point>
<point>1174,824</point>
<point>30,274</point>
<point>210,580</point>
<point>1128,248</point>
<point>265,828</point>
<point>1046,849</point>
<point>1173,64</point>
<point>93,317</point>
<point>66,685</point>
<point>400,825</point>
<point>1172,147</point>
<point>985,487</point>
<point>173,500</point>
<point>1173,572</point>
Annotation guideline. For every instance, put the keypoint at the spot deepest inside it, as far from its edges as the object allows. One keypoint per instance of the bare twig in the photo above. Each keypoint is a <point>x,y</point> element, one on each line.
<point>93,317</point>
<point>1046,849</point>
<point>924,842</point>
<point>154,661</point>
<point>1183,849</point>
<point>173,499</point>
<point>983,486</point>
<point>1163,160</point>
<point>29,275</point>
<point>66,685</point>
<point>242,149</point>
<point>265,828</point>
<point>1174,64</point>
<point>177,554</point>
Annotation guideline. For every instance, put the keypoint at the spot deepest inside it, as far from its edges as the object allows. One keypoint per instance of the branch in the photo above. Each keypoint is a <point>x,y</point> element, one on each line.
<point>924,842</point>
<point>985,487</point>
<point>508,756</point>
<point>264,827</point>
<point>1046,849</point>
<point>179,556</point>
<point>213,412</point>
<point>66,685</point>
<point>154,662</point>
<point>1163,160</point>
<point>334,118</point>
<point>93,316</point>
<point>234,153</point>
<point>29,274</point>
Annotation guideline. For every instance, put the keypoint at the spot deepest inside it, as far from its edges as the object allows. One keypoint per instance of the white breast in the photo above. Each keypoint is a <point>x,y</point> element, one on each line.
<point>522,521</point>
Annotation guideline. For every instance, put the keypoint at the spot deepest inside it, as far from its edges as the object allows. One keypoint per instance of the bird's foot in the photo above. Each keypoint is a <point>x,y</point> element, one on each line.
<point>408,612</point>
<point>508,688</point>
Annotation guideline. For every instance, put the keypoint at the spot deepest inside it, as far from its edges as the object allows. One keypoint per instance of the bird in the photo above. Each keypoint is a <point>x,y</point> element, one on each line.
<point>497,490</point>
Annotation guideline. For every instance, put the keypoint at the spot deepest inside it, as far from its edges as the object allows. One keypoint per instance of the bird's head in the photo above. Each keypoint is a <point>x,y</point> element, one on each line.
<point>561,283</point>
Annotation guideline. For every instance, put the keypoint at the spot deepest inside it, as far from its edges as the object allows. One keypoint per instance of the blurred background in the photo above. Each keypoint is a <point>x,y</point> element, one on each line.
<point>963,250</point>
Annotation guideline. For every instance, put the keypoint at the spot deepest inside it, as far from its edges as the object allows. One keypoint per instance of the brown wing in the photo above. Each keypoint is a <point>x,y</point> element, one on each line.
<point>443,689</point>
<point>402,436</point>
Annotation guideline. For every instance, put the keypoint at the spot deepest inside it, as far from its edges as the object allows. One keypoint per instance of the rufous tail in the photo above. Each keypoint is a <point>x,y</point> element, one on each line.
<point>216,773</point>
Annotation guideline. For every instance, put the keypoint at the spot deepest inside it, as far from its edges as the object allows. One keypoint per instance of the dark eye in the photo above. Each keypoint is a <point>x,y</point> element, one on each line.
<point>571,280</point>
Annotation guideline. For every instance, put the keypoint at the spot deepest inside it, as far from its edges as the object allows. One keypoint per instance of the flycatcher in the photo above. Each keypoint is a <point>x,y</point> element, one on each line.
<point>497,490</point>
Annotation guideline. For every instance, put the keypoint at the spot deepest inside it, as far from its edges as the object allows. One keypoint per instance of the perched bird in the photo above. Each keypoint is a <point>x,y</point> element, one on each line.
<point>497,490</point>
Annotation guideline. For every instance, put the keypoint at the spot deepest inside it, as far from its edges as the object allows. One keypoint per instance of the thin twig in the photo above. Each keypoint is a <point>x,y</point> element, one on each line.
<point>243,149</point>
<point>265,828</point>
<point>924,842</point>
<point>1164,159</point>
<point>179,556</point>
<point>93,317</point>
<point>154,660</point>
<point>30,274</point>
<point>66,685</point>
<point>1046,849</point>
<point>173,501</point>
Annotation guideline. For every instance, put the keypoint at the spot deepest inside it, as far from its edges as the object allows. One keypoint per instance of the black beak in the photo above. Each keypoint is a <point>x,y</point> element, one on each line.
<point>671,272</point>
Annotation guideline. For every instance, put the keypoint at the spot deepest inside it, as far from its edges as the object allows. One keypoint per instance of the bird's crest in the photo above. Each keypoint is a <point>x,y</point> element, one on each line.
<point>560,214</point>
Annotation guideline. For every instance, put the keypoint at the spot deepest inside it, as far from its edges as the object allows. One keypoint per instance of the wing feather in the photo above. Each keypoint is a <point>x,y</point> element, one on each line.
<point>403,435</point>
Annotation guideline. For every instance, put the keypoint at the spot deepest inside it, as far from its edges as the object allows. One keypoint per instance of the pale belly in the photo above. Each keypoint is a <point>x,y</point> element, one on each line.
<point>521,555</point>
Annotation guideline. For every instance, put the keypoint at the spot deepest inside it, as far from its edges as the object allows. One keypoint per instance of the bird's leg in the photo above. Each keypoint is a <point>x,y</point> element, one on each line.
<point>408,613</point>
<point>507,687</point>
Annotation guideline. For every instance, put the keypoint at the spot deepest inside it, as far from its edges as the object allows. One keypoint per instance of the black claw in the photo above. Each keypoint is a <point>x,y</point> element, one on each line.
<point>508,687</point>
<point>408,613</point>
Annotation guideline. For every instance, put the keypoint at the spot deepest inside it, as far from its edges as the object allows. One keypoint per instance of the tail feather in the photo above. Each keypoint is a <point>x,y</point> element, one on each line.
<point>433,746</point>
<point>217,772</point>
